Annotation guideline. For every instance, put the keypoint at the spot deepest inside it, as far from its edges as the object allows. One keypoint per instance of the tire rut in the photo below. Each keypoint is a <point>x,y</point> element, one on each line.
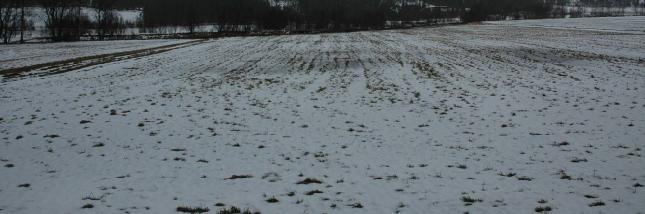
<point>68,65</point>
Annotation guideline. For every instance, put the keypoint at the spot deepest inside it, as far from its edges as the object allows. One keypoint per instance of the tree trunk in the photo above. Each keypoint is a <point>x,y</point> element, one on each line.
<point>22,21</point>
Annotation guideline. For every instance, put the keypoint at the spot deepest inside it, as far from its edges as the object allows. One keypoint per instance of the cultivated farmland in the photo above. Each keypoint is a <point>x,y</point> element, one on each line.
<point>481,118</point>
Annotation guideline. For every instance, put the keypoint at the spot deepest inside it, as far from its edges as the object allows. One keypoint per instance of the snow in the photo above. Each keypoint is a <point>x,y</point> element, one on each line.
<point>630,24</point>
<point>408,121</point>
<point>13,56</point>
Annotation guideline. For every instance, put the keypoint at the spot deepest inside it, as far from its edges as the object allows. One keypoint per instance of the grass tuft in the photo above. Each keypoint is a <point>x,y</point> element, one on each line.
<point>236,210</point>
<point>469,201</point>
<point>238,177</point>
<point>543,209</point>
<point>313,192</point>
<point>192,210</point>
<point>309,181</point>
<point>272,200</point>
<point>597,204</point>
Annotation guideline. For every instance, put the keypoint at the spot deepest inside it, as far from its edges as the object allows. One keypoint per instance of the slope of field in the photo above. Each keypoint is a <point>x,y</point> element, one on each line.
<point>473,118</point>
<point>13,56</point>
<point>633,24</point>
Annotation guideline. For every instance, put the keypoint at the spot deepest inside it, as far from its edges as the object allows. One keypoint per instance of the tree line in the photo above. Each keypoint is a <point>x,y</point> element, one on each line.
<point>65,20</point>
<point>317,15</point>
<point>602,8</point>
<point>338,15</point>
<point>13,19</point>
<point>69,20</point>
<point>258,15</point>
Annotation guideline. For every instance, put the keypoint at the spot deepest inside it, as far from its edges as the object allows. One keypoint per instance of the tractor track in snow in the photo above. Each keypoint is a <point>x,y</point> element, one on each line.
<point>63,66</point>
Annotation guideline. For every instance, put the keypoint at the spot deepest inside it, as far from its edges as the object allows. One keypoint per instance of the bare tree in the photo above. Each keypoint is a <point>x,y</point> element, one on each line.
<point>104,16</point>
<point>9,20</point>
<point>64,19</point>
<point>23,24</point>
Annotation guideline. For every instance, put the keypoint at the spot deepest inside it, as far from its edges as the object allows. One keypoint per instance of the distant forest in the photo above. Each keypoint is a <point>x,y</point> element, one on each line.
<point>330,15</point>
<point>65,19</point>
<point>334,15</point>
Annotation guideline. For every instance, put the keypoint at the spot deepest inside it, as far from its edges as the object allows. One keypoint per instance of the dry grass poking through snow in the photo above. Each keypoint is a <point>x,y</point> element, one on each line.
<point>473,118</point>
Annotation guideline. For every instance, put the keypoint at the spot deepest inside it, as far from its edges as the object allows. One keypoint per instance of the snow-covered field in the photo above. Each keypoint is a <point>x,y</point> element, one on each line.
<point>13,56</point>
<point>472,118</point>
<point>630,24</point>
